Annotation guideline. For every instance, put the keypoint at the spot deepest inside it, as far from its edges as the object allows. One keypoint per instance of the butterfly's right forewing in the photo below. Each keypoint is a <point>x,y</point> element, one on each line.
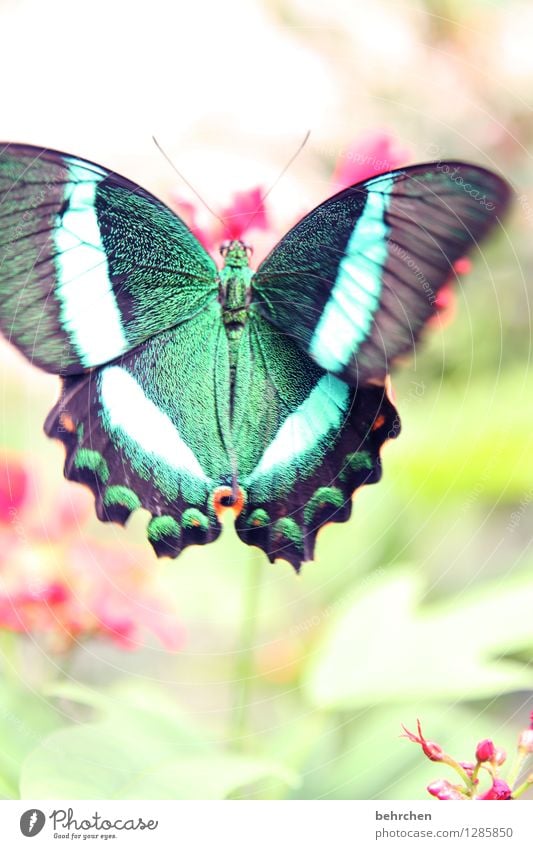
<point>356,280</point>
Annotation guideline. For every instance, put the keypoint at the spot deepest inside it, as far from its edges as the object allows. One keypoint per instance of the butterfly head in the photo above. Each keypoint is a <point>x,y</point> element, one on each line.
<point>235,253</point>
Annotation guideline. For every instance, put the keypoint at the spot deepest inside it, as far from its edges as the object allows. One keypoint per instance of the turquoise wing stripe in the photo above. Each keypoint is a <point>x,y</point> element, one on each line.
<point>347,317</point>
<point>301,441</point>
<point>89,312</point>
<point>141,421</point>
<point>321,412</point>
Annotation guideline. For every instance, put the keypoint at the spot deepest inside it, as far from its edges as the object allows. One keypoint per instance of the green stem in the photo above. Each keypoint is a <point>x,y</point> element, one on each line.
<point>526,785</point>
<point>460,771</point>
<point>516,767</point>
<point>244,667</point>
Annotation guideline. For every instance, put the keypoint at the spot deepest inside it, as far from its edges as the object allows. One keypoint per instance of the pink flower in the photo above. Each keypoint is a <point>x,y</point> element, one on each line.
<point>245,213</point>
<point>14,487</point>
<point>369,155</point>
<point>29,604</point>
<point>118,597</point>
<point>442,789</point>
<point>500,790</point>
<point>432,750</point>
<point>74,591</point>
<point>463,265</point>
<point>52,584</point>
<point>485,751</point>
<point>489,759</point>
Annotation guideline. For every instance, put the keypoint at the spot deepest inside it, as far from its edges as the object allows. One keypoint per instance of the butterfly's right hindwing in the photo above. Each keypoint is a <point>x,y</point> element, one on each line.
<point>304,441</point>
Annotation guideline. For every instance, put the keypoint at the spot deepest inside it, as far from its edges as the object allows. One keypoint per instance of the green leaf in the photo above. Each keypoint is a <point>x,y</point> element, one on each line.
<point>387,645</point>
<point>143,703</point>
<point>104,761</point>
<point>25,718</point>
<point>459,442</point>
<point>142,748</point>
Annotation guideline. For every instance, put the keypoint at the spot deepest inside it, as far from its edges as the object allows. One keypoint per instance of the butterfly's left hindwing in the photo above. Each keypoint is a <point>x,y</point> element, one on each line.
<point>149,430</point>
<point>91,265</point>
<point>355,281</point>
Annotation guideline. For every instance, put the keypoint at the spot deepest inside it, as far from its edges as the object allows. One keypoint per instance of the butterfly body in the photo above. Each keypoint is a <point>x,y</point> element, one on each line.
<point>188,388</point>
<point>235,296</point>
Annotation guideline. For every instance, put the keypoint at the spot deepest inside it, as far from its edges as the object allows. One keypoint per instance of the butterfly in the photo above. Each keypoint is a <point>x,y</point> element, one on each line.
<point>188,388</point>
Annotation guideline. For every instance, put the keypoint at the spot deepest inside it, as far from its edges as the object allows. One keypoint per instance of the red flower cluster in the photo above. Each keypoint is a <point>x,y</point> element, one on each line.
<point>489,759</point>
<point>54,583</point>
<point>245,213</point>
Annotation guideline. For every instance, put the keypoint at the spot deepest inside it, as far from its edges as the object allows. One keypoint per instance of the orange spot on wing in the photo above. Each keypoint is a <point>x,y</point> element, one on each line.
<point>67,422</point>
<point>380,421</point>
<point>234,502</point>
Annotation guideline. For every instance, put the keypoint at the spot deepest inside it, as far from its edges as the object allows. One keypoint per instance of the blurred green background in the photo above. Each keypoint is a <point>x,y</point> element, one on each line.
<point>218,675</point>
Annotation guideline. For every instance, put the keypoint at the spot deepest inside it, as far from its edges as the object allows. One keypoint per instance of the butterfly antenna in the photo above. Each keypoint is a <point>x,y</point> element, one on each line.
<point>187,183</point>
<point>287,166</point>
<point>280,175</point>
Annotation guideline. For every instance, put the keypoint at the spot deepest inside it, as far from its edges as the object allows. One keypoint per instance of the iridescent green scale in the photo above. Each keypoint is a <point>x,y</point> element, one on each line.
<point>188,389</point>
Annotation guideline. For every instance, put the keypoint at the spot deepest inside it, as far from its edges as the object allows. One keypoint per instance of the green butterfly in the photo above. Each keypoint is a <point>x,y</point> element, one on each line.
<point>188,388</point>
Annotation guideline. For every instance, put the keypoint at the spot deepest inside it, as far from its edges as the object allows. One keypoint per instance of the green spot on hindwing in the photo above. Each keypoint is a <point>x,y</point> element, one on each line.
<point>92,461</point>
<point>121,496</point>
<point>258,518</point>
<point>164,534</point>
<point>162,528</point>
<point>287,529</point>
<point>356,462</point>
<point>194,519</point>
<point>325,496</point>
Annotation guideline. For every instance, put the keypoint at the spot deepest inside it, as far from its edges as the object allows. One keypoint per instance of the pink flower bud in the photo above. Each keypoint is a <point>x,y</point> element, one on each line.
<point>485,751</point>
<point>445,791</point>
<point>500,790</point>
<point>499,757</point>
<point>525,741</point>
<point>431,750</point>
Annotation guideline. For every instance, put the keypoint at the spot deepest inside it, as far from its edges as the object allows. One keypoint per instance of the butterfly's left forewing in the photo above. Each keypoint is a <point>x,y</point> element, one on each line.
<point>356,280</point>
<point>91,265</point>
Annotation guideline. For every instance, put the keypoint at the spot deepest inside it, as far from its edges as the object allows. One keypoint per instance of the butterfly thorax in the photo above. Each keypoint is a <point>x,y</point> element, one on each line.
<point>235,290</point>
